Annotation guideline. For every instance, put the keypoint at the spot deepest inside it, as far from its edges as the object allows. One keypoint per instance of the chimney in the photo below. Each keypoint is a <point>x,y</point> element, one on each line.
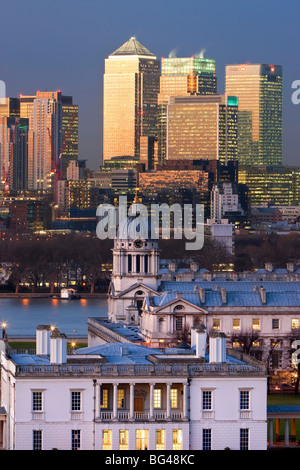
<point>217,347</point>
<point>224,295</point>
<point>193,266</point>
<point>290,267</point>
<point>199,339</point>
<point>263,295</point>
<point>269,267</point>
<point>58,348</point>
<point>43,333</point>
<point>202,295</point>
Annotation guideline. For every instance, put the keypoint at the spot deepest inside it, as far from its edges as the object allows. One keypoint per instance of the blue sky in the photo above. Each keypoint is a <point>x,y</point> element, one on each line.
<point>62,44</point>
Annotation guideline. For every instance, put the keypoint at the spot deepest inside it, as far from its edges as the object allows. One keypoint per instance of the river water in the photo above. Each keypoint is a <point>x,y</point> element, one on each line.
<point>23,315</point>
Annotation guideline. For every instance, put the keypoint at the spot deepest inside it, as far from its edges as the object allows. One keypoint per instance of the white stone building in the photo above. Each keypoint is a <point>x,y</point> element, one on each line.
<point>120,396</point>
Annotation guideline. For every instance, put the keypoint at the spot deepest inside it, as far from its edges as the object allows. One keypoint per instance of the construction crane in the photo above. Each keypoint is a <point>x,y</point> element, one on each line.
<point>56,167</point>
<point>6,170</point>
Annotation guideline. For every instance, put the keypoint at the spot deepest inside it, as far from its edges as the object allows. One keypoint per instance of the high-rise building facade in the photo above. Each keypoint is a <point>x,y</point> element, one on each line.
<point>69,132</point>
<point>182,77</point>
<point>202,127</point>
<point>259,90</point>
<point>130,89</point>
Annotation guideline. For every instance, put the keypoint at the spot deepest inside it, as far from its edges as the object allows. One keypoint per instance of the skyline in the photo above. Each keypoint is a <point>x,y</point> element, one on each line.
<point>72,58</point>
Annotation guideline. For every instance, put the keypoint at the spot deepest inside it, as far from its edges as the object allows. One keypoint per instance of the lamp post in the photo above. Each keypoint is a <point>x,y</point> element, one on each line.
<point>3,329</point>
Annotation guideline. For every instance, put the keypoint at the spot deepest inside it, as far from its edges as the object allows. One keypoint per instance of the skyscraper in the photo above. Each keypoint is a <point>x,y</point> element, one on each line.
<point>130,89</point>
<point>202,127</point>
<point>182,77</point>
<point>259,90</point>
<point>69,131</point>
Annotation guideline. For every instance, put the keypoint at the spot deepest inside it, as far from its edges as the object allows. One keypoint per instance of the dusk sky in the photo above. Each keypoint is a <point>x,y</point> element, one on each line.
<point>62,44</point>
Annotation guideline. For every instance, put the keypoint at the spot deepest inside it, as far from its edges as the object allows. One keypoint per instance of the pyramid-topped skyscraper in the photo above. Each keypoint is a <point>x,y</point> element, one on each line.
<point>130,89</point>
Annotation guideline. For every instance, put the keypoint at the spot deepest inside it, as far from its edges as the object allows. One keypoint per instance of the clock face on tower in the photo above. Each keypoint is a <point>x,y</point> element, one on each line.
<point>138,243</point>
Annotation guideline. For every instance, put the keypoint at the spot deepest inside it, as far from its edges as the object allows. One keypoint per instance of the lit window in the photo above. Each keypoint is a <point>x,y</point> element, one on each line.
<point>37,401</point>
<point>157,398</point>
<point>174,398</point>
<point>141,439</point>
<point>76,401</point>
<point>206,400</point>
<point>236,324</point>
<point>160,439</point>
<point>123,439</point>
<point>106,439</point>
<point>104,398</point>
<point>121,398</point>
<point>295,323</point>
<point>177,439</point>
<point>256,324</point>
<point>216,324</point>
<point>244,400</point>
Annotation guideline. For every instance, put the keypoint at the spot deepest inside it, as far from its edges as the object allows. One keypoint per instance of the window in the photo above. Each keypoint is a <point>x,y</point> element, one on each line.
<point>178,323</point>
<point>106,439</point>
<point>295,323</point>
<point>275,323</point>
<point>104,398</point>
<point>275,360</point>
<point>157,398</point>
<point>121,398</point>
<point>256,324</point>
<point>206,400</point>
<point>75,439</point>
<point>76,401</point>
<point>174,398</point>
<point>206,439</point>
<point>177,439</point>
<point>160,439</point>
<point>37,440</point>
<point>37,401</point>
<point>244,400</point>
<point>216,324</point>
<point>236,324</point>
<point>123,439</point>
<point>244,439</point>
<point>141,439</point>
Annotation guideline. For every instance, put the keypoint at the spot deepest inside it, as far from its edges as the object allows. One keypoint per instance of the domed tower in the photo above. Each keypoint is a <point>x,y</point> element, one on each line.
<point>135,268</point>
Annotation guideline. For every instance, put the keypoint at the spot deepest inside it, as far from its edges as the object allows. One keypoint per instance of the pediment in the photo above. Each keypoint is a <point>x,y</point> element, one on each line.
<point>137,286</point>
<point>188,307</point>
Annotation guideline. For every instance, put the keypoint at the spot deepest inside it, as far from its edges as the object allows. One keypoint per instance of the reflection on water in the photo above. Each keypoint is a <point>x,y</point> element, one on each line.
<point>69,316</point>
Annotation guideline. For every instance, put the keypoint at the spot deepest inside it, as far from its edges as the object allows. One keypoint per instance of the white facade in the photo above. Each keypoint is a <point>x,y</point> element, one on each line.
<point>127,397</point>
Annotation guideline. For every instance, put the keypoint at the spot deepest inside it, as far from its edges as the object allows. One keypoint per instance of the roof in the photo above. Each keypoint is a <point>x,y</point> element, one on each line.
<point>132,47</point>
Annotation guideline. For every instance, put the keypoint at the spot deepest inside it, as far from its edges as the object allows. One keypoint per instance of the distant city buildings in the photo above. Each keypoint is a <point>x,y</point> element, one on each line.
<point>259,91</point>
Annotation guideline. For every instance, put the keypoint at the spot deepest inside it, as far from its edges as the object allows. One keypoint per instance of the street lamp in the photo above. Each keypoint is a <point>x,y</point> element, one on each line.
<point>4,324</point>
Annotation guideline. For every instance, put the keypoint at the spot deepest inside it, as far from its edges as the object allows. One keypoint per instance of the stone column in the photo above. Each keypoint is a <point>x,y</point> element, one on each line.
<point>151,399</point>
<point>270,432</point>
<point>98,400</point>
<point>286,433</point>
<point>169,401</point>
<point>131,402</point>
<point>185,401</point>
<point>115,402</point>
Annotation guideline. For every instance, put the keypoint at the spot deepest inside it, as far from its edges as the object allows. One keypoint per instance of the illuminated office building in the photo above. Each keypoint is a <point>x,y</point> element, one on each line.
<point>182,77</point>
<point>10,107</point>
<point>259,90</point>
<point>131,85</point>
<point>202,127</point>
<point>269,184</point>
<point>69,131</point>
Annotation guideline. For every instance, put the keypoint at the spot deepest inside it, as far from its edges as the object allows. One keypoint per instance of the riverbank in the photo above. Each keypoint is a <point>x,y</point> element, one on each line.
<point>47,295</point>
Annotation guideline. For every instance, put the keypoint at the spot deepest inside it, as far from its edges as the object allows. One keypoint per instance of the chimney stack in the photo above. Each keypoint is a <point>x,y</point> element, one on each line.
<point>199,337</point>
<point>217,347</point>
<point>224,295</point>
<point>263,295</point>
<point>58,348</point>
<point>43,333</point>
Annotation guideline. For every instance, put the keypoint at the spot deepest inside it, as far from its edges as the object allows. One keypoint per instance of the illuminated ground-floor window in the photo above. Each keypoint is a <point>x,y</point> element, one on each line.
<point>106,439</point>
<point>141,439</point>
<point>177,439</point>
<point>123,439</point>
<point>160,439</point>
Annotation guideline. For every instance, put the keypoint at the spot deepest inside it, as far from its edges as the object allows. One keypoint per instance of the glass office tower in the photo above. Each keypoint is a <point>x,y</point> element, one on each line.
<point>130,89</point>
<point>259,90</point>
<point>202,127</point>
<point>182,76</point>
